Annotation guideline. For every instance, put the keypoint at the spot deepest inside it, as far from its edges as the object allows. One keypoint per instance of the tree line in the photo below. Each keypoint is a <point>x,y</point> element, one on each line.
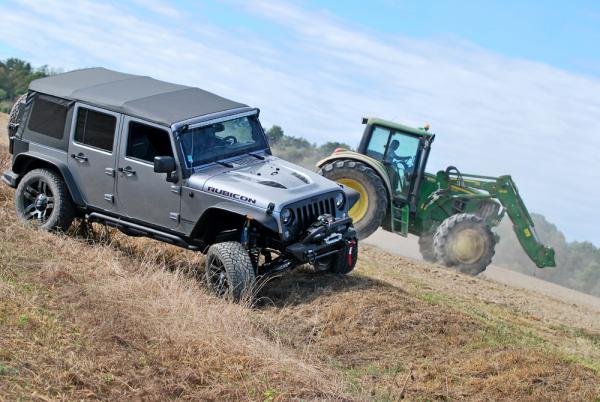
<point>15,76</point>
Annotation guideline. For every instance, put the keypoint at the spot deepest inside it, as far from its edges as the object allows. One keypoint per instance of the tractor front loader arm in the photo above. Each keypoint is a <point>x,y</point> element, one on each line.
<point>505,190</point>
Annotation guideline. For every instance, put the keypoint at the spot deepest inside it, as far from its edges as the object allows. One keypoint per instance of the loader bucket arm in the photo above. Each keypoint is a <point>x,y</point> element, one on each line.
<point>504,189</point>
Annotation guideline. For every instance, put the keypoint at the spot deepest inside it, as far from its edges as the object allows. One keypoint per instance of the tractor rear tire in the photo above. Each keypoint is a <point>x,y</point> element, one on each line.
<point>464,242</point>
<point>426,247</point>
<point>368,212</point>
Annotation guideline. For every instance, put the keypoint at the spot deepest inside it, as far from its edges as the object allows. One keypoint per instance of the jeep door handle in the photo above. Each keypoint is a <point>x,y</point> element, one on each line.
<point>127,170</point>
<point>81,158</point>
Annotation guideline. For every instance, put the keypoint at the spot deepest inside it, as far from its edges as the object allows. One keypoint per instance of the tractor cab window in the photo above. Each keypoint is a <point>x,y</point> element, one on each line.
<point>378,143</point>
<point>399,159</point>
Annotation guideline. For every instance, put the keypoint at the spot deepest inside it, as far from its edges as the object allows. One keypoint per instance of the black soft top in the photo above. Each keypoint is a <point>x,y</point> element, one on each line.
<point>139,96</point>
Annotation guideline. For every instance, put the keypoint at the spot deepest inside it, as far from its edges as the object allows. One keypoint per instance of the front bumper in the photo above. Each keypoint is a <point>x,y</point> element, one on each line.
<point>10,178</point>
<point>323,239</point>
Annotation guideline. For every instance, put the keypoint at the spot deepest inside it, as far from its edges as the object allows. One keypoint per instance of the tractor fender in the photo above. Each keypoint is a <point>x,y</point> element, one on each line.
<point>364,159</point>
<point>26,161</point>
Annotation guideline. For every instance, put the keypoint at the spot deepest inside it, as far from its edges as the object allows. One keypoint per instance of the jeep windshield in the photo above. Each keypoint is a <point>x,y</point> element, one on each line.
<point>222,140</point>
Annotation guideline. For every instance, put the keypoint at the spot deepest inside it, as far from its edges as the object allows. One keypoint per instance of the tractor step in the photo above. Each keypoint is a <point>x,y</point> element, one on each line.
<point>400,219</point>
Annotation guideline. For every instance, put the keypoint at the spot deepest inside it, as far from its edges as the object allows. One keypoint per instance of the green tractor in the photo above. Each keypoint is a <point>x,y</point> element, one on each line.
<point>452,213</point>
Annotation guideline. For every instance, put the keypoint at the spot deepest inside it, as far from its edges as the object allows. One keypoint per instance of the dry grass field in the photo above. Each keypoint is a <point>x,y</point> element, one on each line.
<point>93,315</point>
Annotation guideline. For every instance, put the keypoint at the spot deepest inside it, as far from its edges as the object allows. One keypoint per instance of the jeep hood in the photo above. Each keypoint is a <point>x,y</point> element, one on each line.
<point>262,182</point>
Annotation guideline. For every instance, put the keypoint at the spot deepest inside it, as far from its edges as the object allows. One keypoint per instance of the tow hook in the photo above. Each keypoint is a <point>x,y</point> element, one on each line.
<point>351,245</point>
<point>311,256</point>
<point>332,238</point>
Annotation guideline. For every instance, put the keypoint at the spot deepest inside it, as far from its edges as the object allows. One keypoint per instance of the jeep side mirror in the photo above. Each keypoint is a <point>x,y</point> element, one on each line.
<point>166,164</point>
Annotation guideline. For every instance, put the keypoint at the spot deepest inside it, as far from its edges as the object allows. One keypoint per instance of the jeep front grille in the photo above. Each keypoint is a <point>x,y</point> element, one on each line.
<point>307,213</point>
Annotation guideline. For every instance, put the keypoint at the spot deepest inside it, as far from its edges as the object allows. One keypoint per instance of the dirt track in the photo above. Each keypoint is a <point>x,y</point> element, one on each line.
<point>538,297</point>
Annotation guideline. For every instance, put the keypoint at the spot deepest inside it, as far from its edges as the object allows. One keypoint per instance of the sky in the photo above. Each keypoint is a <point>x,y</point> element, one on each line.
<point>509,87</point>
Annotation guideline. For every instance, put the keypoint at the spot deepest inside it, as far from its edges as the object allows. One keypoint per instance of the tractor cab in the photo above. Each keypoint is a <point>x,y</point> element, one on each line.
<point>403,151</point>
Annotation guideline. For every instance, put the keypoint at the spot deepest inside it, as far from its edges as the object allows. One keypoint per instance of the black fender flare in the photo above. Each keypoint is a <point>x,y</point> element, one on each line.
<point>233,209</point>
<point>23,160</point>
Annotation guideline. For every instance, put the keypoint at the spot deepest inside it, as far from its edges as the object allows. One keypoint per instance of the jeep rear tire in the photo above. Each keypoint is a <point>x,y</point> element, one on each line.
<point>368,212</point>
<point>42,198</point>
<point>465,242</point>
<point>229,271</point>
<point>342,262</point>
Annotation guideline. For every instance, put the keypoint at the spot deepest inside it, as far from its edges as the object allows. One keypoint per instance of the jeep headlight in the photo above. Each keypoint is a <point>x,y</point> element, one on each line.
<point>286,216</point>
<point>340,201</point>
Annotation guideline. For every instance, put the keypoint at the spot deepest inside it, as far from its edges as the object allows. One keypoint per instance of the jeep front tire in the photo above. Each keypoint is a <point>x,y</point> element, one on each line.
<point>42,198</point>
<point>229,271</point>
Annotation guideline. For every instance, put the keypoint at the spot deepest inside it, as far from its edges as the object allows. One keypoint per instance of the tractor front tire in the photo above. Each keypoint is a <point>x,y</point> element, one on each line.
<point>426,247</point>
<point>368,212</point>
<point>229,271</point>
<point>464,242</point>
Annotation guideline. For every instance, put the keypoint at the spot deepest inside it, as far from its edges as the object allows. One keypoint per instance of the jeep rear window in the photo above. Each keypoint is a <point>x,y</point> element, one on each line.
<point>222,140</point>
<point>95,129</point>
<point>145,142</point>
<point>48,117</point>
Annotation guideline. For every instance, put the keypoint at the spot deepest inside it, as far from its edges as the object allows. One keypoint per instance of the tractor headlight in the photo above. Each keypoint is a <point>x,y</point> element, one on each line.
<point>286,216</point>
<point>340,201</point>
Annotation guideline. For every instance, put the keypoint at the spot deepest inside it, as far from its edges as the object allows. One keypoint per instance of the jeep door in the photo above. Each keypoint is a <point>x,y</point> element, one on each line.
<point>142,194</point>
<point>92,154</point>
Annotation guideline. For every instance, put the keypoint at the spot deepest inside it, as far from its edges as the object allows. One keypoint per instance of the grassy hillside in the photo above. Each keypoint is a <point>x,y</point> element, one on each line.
<point>96,315</point>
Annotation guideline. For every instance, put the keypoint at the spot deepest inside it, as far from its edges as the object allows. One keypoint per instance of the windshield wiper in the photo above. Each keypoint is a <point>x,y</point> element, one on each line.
<point>226,164</point>
<point>262,158</point>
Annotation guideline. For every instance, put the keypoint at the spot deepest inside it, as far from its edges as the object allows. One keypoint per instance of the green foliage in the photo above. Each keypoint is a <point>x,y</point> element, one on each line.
<point>578,263</point>
<point>298,150</point>
<point>15,76</point>
<point>331,146</point>
<point>275,134</point>
<point>5,370</point>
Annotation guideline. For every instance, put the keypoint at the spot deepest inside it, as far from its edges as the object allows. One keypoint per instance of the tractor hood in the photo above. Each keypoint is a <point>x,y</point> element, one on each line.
<point>261,182</point>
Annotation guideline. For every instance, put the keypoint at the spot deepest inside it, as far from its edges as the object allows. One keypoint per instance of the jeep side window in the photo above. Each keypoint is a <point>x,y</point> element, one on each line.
<point>145,142</point>
<point>95,129</point>
<point>48,116</point>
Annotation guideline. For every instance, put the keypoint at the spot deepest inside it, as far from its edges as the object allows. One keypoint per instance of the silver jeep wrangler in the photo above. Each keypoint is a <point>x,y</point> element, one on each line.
<point>177,164</point>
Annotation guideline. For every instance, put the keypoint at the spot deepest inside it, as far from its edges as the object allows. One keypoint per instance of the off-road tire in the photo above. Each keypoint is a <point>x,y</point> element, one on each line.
<point>235,267</point>
<point>426,247</point>
<point>342,262</point>
<point>374,186</point>
<point>15,113</point>
<point>446,234</point>
<point>60,217</point>
<point>13,117</point>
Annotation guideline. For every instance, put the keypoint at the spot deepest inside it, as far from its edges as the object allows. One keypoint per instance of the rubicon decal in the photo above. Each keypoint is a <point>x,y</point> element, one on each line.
<point>229,194</point>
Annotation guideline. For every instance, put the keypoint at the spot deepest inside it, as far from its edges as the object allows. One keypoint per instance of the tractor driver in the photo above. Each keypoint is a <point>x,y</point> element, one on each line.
<point>393,158</point>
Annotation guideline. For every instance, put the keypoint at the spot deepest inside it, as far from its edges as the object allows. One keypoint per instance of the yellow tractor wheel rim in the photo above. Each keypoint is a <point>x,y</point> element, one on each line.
<point>359,210</point>
<point>468,246</point>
